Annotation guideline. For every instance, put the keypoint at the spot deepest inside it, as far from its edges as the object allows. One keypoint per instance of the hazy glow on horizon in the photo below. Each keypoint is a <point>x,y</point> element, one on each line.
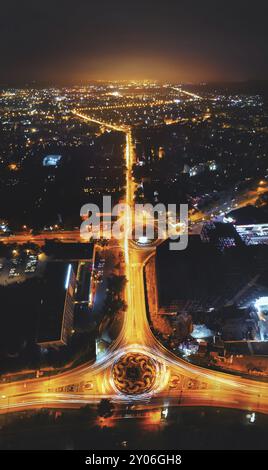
<point>146,68</point>
<point>166,41</point>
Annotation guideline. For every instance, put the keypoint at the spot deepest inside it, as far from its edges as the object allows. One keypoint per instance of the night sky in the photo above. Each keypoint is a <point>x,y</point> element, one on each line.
<point>72,41</point>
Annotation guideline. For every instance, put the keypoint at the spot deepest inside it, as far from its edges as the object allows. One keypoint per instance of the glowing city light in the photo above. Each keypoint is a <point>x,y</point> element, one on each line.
<point>68,275</point>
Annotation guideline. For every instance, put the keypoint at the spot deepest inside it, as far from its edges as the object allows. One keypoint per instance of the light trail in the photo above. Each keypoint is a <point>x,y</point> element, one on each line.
<point>129,200</point>
<point>179,381</point>
<point>188,93</point>
<point>145,104</point>
<point>109,125</point>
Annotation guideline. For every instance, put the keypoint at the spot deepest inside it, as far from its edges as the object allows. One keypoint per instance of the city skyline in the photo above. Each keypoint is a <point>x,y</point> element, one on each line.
<point>133,226</point>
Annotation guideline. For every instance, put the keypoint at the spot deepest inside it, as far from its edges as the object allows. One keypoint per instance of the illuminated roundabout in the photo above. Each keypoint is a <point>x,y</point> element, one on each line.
<point>136,373</point>
<point>137,368</point>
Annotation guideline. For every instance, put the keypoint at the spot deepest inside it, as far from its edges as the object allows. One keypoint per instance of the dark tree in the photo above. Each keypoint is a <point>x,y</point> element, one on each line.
<point>105,408</point>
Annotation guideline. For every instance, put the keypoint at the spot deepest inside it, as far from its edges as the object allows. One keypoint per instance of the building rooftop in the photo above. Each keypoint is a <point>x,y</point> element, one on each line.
<point>248,215</point>
<point>200,277</point>
<point>70,251</point>
<point>53,296</point>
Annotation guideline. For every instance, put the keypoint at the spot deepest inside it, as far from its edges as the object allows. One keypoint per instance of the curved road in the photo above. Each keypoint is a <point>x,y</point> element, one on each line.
<point>178,382</point>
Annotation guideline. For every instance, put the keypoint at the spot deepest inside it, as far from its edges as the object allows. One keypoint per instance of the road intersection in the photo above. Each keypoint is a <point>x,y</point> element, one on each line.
<point>167,379</point>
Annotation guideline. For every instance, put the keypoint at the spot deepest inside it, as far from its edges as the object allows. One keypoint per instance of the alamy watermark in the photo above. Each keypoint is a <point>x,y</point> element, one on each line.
<point>144,223</point>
